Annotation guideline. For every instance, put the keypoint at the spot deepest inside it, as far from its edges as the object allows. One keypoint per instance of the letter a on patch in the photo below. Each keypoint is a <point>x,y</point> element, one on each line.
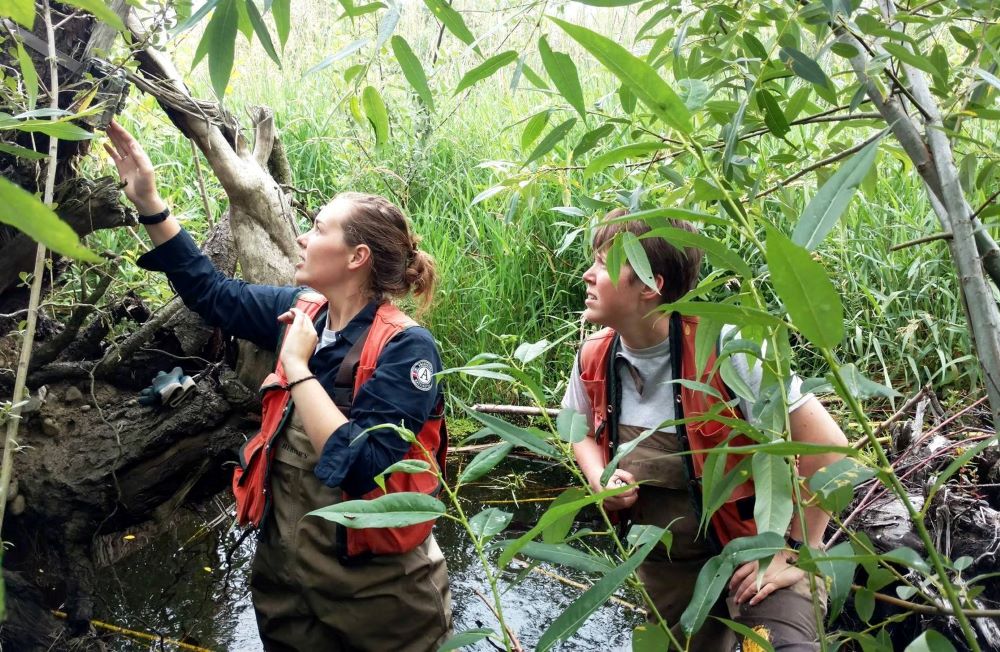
<point>422,375</point>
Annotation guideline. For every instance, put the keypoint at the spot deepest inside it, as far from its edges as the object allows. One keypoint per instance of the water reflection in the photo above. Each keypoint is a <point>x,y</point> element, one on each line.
<point>190,583</point>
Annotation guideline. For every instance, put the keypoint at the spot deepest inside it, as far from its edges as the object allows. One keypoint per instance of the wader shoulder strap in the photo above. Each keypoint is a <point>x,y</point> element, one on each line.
<point>614,388</point>
<point>676,360</point>
<point>343,384</point>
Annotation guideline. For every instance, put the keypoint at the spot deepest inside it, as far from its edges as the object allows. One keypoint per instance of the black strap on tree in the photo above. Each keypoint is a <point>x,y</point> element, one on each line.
<point>676,337</point>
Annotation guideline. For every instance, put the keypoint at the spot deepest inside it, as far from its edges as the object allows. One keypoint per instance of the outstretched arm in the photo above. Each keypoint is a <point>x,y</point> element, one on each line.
<point>241,309</point>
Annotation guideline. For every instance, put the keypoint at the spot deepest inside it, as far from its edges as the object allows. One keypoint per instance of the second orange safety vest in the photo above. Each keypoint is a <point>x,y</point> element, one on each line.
<point>735,518</point>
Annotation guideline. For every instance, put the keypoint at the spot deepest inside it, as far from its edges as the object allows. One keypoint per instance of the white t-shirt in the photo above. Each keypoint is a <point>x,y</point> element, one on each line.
<point>654,404</point>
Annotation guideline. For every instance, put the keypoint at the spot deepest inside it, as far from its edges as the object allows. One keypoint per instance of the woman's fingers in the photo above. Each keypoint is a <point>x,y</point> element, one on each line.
<point>765,591</point>
<point>286,317</point>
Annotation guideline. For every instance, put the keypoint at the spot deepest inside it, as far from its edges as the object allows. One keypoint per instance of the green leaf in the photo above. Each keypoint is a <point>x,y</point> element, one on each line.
<point>402,466</point>
<point>467,638</point>
<point>22,11</point>
<point>22,152</point>
<point>387,25</point>
<point>550,516</point>
<point>484,462</point>
<point>562,72</point>
<point>637,258</point>
<point>724,312</point>
<point>485,69</point>
<point>908,557</point>
<point>29,76</point>
<point>489,522</point>
<point>533,439</point>
<point>718,493</point>
<point>805,67</point>
<point>56,128</point>
<point>834,485</point>
<point>620,154</point>
<point>378,117</point>
<point>412,70</point>
<point>24,212</point>
<point>563,554</point>
<point>220,39</point>
<point>281,11</point>
<point>993,80</point>
<point>452,20</point>
<point>194,19</point>
<point>840,573</point>
<point>354,11</point>
<point>772,510</point>
<point>342,53</point>
<point>551,140</point>
<point>712,579</point>
<point>572,426</point>
<point>590,139</point>
<point>260,28</point>
<point>749,636</point>
<point>577,613</point>
<point>806,290</point>
<point>715,574</point>
<point>390,510</point>
<point>828,204</point>
<point>718,253</point>
<point>649,638</point>
<point>556,531</point>
<point>609,3</point>
<point>861,387</point>
<point>733,138</point>
<point>774,118</point>
<point>930,641</point>
<point>100,11</point>
<point>533,128</point>
<point>641,79</point>
<point>905,55</point>
<point>622,451</point>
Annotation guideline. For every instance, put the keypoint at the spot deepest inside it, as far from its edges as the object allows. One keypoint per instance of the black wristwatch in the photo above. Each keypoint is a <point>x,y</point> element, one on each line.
<point>156,218</point>
<point>792,543</point>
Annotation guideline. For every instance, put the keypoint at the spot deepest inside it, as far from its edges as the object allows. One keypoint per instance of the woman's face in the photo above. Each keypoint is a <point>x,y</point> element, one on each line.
<point>326,260</point>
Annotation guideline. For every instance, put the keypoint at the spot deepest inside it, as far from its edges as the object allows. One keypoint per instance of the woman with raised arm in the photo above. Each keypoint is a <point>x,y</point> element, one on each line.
<point>348,361</point>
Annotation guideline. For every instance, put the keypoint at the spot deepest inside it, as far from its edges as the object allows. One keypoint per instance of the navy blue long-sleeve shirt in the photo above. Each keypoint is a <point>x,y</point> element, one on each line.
<point>393,395</point>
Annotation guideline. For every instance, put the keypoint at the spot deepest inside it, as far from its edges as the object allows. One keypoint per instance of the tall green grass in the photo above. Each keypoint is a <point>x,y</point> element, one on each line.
<point>503,281</point>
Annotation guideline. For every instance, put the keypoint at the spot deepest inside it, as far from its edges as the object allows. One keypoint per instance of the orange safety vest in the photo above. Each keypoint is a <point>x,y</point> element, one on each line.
<point>250,479</point>
<point>735,518</point>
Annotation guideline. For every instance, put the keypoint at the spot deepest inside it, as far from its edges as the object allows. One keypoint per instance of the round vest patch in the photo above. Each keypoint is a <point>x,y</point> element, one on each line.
<point>422,375</point>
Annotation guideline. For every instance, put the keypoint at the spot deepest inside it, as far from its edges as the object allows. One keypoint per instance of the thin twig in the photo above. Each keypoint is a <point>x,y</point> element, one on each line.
<point>927,238</point>
<point>10,438</point>
<point>929,608</point>
<point>827,161</point>
<point>986,204</point>
<point>515,644</point>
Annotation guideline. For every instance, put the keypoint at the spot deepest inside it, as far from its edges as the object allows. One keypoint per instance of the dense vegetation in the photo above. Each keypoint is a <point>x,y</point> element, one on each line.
<point>518,125</point>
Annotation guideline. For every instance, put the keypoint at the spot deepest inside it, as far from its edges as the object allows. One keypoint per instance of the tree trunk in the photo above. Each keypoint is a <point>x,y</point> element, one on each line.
<point>91,460</point>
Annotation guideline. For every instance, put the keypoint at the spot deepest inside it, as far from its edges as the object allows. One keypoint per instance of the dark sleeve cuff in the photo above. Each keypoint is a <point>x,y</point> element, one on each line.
<point>173,254</point>
<point>337,457</point>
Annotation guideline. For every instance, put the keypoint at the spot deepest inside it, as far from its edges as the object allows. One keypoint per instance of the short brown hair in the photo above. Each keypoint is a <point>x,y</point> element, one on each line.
<point>678,267</point>
<point>398,266</point>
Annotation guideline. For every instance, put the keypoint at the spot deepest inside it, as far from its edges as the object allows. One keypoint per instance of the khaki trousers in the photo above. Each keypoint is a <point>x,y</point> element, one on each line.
<point>306,599</point>
<point>786,617</point>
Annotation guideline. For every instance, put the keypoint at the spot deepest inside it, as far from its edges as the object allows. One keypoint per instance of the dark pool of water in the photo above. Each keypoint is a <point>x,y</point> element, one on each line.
<point>190,582</point>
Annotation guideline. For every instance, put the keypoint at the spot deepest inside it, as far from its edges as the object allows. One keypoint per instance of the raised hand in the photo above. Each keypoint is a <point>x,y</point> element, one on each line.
<point>134,169</point>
